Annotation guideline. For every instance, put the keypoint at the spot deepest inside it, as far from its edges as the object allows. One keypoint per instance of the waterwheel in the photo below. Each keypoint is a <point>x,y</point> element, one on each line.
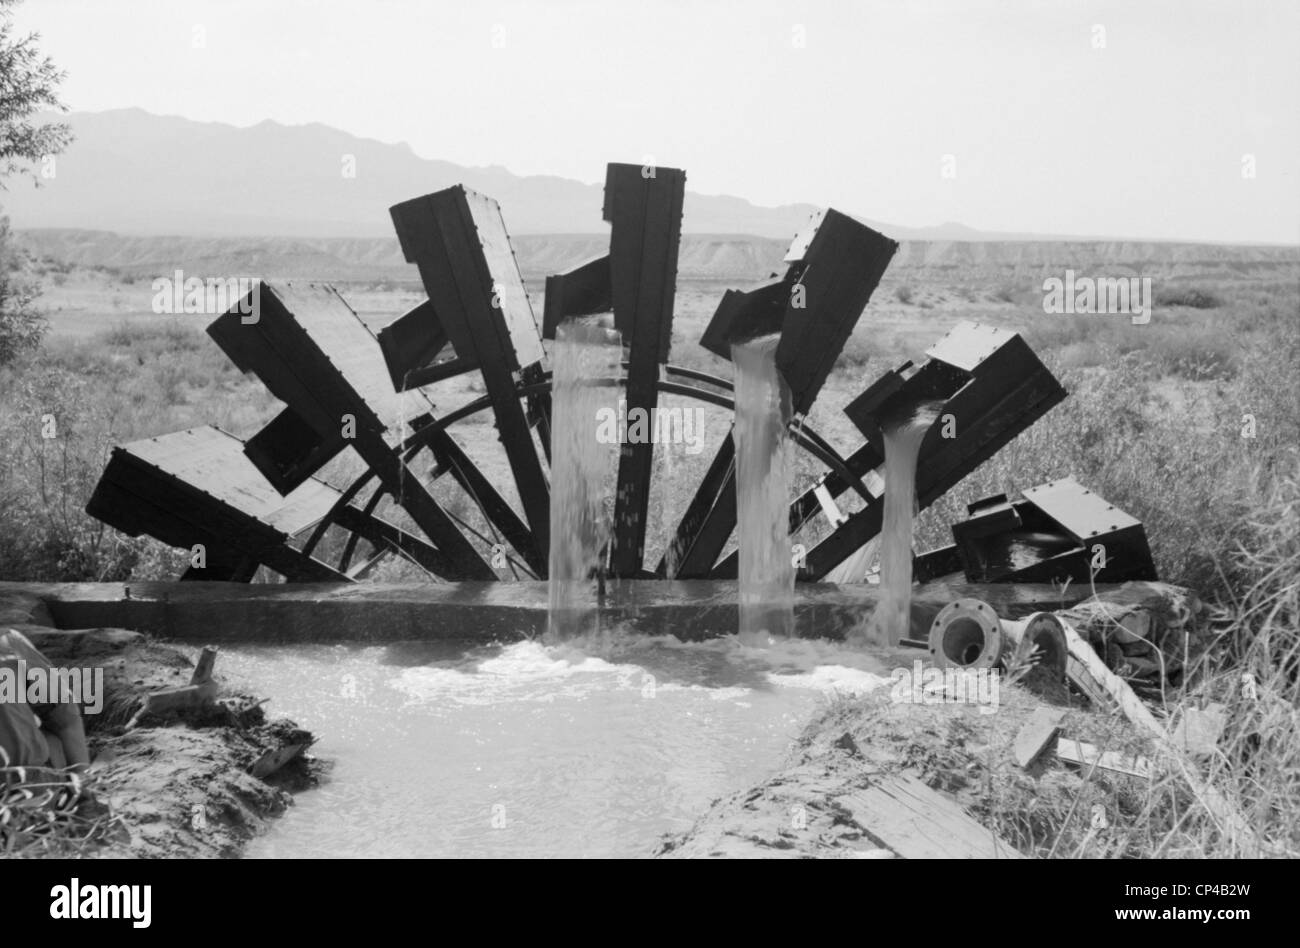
<point>258,507</point>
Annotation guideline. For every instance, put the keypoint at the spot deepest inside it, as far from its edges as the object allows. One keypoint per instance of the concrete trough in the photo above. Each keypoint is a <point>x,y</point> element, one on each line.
<point>691,610</point>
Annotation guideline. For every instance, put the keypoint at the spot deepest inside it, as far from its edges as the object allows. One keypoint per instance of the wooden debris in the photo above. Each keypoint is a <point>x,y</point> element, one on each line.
<point>1134,629</point>
<point>186,697</point>
<point>919,823</point>
<point>1037,735</point>
<point>1198,731</point>
<point>1087,755</point>
<point>1078,675</point>
<point>1135,667</point>
<point>1090,674</point>
<point>203,667</point>
<point>1163,604</point>
<point>273,760</point>
<point>1093,672</point>
<point>201,691</point>
<point>1149,627</point>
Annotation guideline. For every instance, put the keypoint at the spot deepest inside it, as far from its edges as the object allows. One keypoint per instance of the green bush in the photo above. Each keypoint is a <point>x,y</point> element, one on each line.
<point>1188,296</point>
<point>22,327</point>
<point>1166,449</point>
<point>128,382</point>
<point>57,436</point>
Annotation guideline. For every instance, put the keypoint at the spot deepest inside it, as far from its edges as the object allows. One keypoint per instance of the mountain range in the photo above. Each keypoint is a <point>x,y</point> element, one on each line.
<point>144,194</point>
<point>134,172</point>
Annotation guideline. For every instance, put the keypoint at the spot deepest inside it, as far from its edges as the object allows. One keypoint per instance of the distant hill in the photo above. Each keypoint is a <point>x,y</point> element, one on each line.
<point>133,172</point>
<point>361,259</point>
<point>736,258</point>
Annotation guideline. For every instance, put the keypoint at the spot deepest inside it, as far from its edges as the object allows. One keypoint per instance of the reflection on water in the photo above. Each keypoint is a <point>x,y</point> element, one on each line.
<point>575,749</point>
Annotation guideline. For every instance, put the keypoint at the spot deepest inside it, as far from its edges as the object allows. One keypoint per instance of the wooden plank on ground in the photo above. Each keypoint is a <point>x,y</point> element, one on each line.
<point>1198,730</point>
<point>1225,813</point>
<point>1037,735</point>
<point>919,823</point>
<point>1086,756</point>
<point>1090,674</point>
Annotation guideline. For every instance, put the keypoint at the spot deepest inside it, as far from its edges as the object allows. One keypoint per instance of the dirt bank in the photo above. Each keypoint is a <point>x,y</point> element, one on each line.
<point>179,784</point>
<point>827,799</point>
<point>888,774</point>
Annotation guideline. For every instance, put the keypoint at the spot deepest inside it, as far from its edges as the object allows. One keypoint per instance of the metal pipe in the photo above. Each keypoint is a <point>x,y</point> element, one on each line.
<point>966,634</point>
<point>1043,631</point>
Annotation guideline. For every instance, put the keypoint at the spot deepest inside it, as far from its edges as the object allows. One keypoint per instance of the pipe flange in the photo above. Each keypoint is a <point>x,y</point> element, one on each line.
<point>1046,632</point>
<point>966,634</point>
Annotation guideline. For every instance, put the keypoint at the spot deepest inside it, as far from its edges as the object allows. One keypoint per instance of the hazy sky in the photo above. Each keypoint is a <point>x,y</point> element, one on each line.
<point>1132,118</point>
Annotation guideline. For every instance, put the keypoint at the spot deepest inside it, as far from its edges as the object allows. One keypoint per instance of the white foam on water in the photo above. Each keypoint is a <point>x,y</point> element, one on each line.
<point>591,747</point>
<point>825,666</point>
<point>524,671</point>
<point>538,672</point>
<point>831,679</point>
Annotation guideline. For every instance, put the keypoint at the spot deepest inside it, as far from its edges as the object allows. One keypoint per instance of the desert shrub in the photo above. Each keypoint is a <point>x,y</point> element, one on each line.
<point>128,382</point>
<point>1255,674</point>
<point>1082,355</point>
<point>1198,356</point>
<point>150,341</point>
<point>57,437</point>
<point>1180,466</point>
<point>857,352</point>
<point>22,327</point>
<point>1048,332</point>
<point>1188,296</point>
<point>1186,346</point>
<point>122,334</point>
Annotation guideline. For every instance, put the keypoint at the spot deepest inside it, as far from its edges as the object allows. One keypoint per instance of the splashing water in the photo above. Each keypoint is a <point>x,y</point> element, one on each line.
<point>763,475</point>
<point>593,747</point>
<point>582,472</point>
<point>891,619</point>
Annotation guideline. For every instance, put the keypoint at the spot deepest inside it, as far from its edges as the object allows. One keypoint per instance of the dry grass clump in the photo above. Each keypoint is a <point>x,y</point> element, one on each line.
<point>50,813</point>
